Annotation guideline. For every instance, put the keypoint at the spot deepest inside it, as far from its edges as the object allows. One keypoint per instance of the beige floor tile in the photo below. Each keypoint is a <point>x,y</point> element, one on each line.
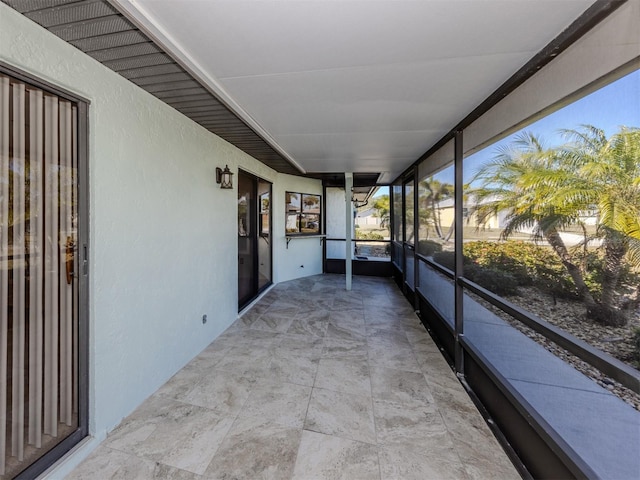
<point>280,403</point>
<point>142,422</point>
<point>398,386</point>
<point>399,424</point>
<point>222,392</point>
<point>108,464</point>
<point>313,325</point>
<point>247,360</point>
<point>300,370</point>
<point>325,457</point>
<point>344,375</point>
<point>182,382</point>
<point>186,437</point>
<point>299,345</point>
<point>353,332</point>
<point>342,414</point>
<point>273,322</point>
<point>392,355</point>
<point>340,348</point>
<point>332,384</point>
<point>256,448</point>
<point>433,460</point>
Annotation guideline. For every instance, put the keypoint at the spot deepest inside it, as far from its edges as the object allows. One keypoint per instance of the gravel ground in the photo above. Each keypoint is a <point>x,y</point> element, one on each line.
<point>570,316</point>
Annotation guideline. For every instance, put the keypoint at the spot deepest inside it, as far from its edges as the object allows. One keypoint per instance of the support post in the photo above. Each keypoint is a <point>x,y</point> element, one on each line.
<point>459,293</point>
<point>348,185</point>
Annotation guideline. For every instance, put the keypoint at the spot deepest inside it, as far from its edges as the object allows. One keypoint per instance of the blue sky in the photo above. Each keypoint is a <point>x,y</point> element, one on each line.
<point>617,104</point>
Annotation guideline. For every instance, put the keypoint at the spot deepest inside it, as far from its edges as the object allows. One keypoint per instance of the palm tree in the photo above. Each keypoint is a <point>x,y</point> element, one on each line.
<point>436,191</point>
<point>383,210</point>
<point>549,189</point>
<point>608,170</point>
<point>521,180</point>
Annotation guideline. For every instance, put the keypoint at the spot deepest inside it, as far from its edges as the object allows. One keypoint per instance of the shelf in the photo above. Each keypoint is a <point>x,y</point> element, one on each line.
<point>293,237</point>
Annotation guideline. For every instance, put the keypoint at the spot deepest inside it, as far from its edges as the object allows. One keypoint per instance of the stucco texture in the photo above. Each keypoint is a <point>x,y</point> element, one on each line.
<point>163,235</point>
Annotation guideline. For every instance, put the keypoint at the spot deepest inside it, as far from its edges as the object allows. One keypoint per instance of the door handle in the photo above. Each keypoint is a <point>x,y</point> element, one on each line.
<point>69,263</point>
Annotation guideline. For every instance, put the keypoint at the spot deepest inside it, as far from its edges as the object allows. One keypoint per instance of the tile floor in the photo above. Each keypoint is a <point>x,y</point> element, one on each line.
<point>313,382</point>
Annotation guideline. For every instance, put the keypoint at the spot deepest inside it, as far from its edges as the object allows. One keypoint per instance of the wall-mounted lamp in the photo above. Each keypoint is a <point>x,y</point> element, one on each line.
<point>223,177</point>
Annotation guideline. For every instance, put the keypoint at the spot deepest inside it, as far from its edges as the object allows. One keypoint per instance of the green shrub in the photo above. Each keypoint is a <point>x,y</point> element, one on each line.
<point>493,279</point>
<point>526,262</point>
<point>428,247</point>
<point>529,264</point>
<point>496,281</point>
<point>360,235</point>
<point>446,259</point>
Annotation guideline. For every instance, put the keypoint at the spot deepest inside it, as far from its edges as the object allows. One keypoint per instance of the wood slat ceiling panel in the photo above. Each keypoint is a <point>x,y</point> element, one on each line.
<point>193,110</point>
<point>185,91</point>
<point>143,72</point>
<point>171,86</point>
<point>167,77</point>
<point>98,29</point>
<point>24,6</point>
<point>91,28</point>
<point>139,61</point>
<point>112,40</point>
<point>126,51</point>
<point>71,13</point>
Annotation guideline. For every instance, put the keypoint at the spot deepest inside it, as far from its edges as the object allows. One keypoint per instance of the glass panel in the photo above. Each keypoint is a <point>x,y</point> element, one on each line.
<point>409,267</point>
<point>398,255</point>
<point>372,227</point>
<point>438,290</point>
<point>397,213</point>
<point>293,212</point>
<point>552,215</point>
<point>373,250</point>
<point>38,283</point>
<point>436,213</point>
<point>310,223</point>
<point>409,212</point>
<point>264,238</point>
<point>265,213</point>
<point>246,248</point>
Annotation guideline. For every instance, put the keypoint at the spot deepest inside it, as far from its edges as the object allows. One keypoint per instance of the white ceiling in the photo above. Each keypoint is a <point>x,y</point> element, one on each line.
<point>361,86</point>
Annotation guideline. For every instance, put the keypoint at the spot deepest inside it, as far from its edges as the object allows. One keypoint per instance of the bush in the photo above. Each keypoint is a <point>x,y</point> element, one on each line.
<point>360,235</point>
<point>493,279</point>
<point>428,247</point>
<point>496,281</point>
<point>528,264</point>
<point>446,259</point>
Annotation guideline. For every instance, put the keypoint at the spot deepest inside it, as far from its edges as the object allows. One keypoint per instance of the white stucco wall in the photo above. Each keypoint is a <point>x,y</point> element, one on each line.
<point>163,235</point>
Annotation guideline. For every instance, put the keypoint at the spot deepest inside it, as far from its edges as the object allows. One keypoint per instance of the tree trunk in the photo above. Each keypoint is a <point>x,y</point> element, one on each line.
<point>556,242</point>
<point>436,223</point>
<point>603,312</point>
<point>615,249</point>
<point>451,231</point>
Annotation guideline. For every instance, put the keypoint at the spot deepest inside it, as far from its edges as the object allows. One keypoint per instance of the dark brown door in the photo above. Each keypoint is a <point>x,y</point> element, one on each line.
<point>254,237</point>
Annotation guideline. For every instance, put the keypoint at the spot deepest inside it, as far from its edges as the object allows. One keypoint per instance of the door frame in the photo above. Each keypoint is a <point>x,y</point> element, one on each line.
<point>81,265</point>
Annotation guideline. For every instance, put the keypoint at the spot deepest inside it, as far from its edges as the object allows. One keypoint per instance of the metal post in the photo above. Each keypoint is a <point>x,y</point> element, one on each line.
<point>459,295</point>
<point>348,185</point>
<point>416,238</point>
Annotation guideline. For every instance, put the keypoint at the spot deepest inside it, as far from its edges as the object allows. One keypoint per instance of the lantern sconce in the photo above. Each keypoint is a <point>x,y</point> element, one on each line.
<point>223,177</point>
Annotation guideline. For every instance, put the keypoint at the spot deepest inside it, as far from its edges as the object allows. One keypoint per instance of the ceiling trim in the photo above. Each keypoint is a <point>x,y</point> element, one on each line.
<point>137,15</point>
